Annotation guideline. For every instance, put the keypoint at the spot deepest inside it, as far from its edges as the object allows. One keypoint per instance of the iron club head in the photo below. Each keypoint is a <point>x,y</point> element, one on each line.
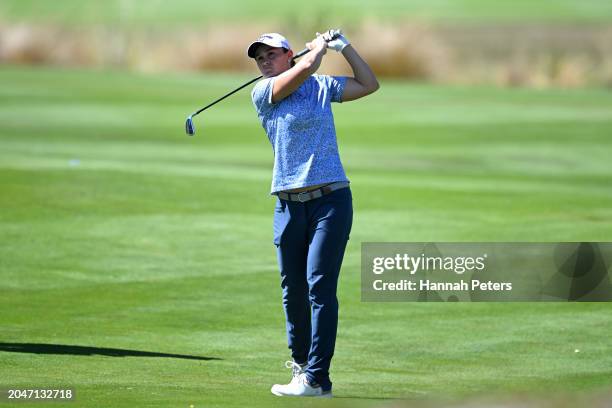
<point>189,126</point>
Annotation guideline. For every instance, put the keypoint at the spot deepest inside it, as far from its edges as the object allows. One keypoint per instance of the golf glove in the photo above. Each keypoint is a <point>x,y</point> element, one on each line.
<point>338,43</point>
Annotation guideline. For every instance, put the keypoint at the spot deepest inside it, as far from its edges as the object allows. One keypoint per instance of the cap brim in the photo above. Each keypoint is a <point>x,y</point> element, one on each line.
<point>253,47</point>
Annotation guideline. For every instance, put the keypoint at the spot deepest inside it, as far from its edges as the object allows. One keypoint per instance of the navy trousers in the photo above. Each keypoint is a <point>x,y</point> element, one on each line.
<point>311,238</point>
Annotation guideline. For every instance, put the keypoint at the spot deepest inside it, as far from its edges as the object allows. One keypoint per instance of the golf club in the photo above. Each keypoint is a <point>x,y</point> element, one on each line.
<point>190,127</point>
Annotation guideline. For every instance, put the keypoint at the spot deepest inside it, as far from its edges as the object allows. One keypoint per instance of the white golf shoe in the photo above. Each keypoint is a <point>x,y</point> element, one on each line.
<point>299,386</point>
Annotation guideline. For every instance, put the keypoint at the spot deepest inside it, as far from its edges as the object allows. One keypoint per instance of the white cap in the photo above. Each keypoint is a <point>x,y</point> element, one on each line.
<point>272,39</point>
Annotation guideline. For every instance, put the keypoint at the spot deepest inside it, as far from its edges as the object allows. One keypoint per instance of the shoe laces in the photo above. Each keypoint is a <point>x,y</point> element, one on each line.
<point>296,369</point>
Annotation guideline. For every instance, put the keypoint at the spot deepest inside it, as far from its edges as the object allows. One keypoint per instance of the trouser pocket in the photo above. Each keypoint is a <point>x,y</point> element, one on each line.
<point>281,219</point>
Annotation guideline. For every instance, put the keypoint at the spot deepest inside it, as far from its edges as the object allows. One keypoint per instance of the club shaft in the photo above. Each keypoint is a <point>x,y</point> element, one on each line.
<point>229,94</point>
<point>298,55</point>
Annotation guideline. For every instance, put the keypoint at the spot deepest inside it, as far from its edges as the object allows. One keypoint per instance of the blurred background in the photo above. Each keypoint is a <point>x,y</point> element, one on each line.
<point>520,43</point>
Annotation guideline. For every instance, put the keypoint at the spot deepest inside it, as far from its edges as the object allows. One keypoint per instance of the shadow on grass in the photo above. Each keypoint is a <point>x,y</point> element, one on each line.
<point>41,348</point>
<point>369,398</point>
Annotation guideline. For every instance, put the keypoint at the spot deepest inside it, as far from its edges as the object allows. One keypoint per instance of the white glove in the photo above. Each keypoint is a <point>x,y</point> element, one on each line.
<point>338,43</point>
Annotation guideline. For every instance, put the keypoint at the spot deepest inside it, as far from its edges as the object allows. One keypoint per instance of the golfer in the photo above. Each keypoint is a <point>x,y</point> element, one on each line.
<point>314,211</point>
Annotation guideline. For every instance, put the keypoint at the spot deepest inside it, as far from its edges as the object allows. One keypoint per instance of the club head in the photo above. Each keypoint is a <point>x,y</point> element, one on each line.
<point>189,126</point>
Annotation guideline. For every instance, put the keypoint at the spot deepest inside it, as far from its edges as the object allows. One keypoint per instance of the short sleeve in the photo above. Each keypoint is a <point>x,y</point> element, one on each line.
<point>336,87</point>
<point>262,95</point>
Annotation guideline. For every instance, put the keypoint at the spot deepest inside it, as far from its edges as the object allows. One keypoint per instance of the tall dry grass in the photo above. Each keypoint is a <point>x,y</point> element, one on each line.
<point>511,55</point>
<point>532,55</point>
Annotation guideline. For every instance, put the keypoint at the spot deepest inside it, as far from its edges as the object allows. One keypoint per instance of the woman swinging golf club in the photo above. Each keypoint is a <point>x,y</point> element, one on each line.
<point>314,212</point>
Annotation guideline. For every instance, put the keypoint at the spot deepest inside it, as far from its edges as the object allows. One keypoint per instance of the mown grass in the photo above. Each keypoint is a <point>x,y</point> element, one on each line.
<point>182,12</point>
<point>118,231</point>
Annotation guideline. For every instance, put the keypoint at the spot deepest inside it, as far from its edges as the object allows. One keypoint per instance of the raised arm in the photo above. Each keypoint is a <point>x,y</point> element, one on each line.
<point>364,81</point>
<point>289,81</point>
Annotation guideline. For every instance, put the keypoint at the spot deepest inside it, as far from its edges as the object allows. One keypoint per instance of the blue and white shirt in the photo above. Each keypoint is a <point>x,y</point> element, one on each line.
<point>302,132</point>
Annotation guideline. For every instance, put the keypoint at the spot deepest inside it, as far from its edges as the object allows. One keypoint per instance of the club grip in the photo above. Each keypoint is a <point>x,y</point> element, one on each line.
<point>336,34</point>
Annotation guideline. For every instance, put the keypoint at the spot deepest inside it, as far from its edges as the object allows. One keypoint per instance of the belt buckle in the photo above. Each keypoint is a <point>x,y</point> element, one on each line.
<point>303,194</point>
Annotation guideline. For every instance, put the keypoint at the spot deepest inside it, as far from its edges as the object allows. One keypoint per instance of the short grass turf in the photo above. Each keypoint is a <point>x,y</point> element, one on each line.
<point>120,236</point>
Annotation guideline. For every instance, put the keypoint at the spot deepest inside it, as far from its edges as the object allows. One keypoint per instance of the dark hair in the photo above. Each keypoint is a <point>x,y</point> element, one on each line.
<point>292,61</point>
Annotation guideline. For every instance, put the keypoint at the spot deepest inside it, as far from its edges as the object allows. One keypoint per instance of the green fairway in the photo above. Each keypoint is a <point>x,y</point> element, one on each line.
<point>117,231</point>
<point>341,11</point>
